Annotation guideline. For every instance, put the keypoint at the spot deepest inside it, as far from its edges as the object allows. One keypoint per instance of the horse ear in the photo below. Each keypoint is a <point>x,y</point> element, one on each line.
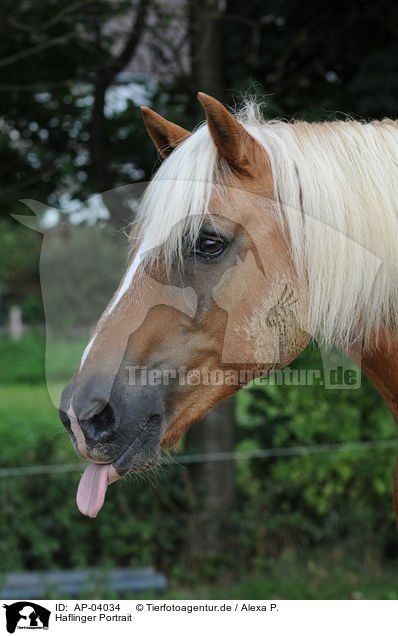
<point>165,135</point>
<point>233,142</point>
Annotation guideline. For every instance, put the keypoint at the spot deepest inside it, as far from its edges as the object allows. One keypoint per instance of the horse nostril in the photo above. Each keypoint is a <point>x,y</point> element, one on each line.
<point>100,426</point>
<point>105,419</point>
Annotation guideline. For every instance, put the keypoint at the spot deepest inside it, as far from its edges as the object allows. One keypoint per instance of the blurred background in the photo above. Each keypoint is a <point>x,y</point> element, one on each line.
<point>294,510</point>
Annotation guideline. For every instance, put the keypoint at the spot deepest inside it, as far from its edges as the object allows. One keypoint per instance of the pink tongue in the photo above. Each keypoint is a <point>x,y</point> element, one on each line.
<point>91,491</point>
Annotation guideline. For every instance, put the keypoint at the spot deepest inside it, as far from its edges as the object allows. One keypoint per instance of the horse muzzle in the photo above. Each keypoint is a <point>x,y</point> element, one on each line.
<point>122,437</point>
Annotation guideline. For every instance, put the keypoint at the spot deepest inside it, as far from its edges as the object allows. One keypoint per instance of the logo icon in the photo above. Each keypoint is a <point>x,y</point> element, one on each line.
<point>26,615</point>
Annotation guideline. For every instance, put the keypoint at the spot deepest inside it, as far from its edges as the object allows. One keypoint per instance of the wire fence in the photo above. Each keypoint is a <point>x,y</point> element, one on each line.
<point>260,453</point>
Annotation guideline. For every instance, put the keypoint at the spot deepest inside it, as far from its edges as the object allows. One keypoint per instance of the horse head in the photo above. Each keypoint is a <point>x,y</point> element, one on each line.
<point>211,285</point>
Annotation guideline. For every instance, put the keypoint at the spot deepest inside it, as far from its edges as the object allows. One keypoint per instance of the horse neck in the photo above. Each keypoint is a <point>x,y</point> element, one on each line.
<point>380,364</point>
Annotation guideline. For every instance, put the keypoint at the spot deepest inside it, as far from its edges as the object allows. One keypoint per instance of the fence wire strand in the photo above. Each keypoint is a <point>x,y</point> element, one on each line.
<point>260,453</point>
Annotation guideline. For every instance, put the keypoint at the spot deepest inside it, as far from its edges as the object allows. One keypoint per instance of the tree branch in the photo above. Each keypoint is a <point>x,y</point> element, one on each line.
<point>61,39</point>
<point>133,39</point>
<point>80,4</point>
<point>99,138</point>
<point>36,88</point>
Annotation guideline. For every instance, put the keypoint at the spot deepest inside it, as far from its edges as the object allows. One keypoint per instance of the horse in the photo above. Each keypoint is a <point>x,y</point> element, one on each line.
<point>252,238</point>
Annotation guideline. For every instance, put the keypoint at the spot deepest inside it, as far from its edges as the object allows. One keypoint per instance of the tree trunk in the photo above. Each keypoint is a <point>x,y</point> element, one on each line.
<point>212,483</point>
<point>206,60</point>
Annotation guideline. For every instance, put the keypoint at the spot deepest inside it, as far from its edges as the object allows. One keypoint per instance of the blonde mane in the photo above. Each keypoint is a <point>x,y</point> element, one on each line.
<point>336,190</point>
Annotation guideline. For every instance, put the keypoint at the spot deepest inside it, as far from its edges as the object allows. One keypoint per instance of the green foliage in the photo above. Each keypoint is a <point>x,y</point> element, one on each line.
<point>318,498</point>
<point>19,260</point>
<point>47,108</point>
<point>22,361</point>
<point>312,60</point>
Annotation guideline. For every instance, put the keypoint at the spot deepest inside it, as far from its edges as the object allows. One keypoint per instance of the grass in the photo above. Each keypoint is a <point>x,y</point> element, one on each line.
<point>28,419</point>
<point>304,576</point>
<point>31,360</point>
<point>28,404</point>
<point>308,576</point>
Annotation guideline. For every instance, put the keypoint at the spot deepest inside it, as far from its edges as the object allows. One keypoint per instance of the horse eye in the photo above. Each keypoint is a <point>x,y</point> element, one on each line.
<point>210,246</point>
